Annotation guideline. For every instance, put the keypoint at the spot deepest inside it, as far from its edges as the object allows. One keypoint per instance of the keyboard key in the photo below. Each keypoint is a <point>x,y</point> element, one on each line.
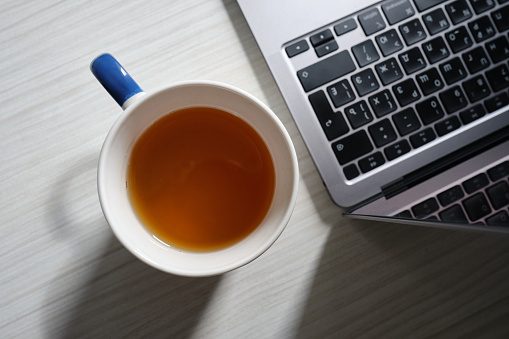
<point>498,77</point>
<point>498,49</point>
<point>458,11</point>
<point>351,171</point>
<point>435,50</point>
<point>333,124</point>
<point>497,102</point>
<point>326,70</point>
<point>423,5</point>
<point>341,93</point>
<point>352,147</point>
<point>481,6</point>
<point>500,219</point>
<point>370,163</point>
<point>389,71</point>
<point>448,125</point>
<point>382,103</point>
<point>320,38</point>
<point>453,71</point>
<point>435,21</point>
<point>477,206</point>
<point>406,92</point>
<point>358,114</point>
<point>365,53</point>
<point>472,114</point>
<point>397,10</point>
<point>498,195</point>
<point>326,48</point>
<point>422,138</point>
<point>365,82</point>
<point>454,214</point>
<point>371,21</point>
<point>425,208</point>
<point>345,26</point>
<point>453,99</point>
<point>430,81</point>
<point>476,60</point>
<point>406,121</point>
<point>476,88</point>
<point>458,39</point>
<point>412,60</point>
<point>412,32</point>
<point>475,183</point>
<point>481,29</point>
<point>397,149</point>
<point>450,195</point>
<point>297,48</point>
<point>500,171</point>
<point>429,110</point>
<point>500,18</point>
<point>382,132</point>
<point>389,42</point>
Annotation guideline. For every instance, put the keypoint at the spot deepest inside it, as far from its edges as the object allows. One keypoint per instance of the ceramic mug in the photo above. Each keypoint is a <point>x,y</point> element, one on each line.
<point>141,110</point>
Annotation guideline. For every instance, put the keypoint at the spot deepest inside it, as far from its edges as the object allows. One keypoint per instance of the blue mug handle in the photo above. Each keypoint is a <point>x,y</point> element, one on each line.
<point>115,80</point>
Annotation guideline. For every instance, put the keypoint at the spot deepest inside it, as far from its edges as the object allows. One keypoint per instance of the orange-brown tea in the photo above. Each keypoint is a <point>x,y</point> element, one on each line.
<point>200,179</point>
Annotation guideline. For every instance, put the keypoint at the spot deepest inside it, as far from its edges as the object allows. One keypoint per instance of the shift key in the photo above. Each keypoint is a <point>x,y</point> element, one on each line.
<point>326,70</point>
<point>352,147</point>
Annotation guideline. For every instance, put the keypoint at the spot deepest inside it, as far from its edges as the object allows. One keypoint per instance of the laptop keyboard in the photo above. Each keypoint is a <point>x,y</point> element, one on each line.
<point>425,68</point>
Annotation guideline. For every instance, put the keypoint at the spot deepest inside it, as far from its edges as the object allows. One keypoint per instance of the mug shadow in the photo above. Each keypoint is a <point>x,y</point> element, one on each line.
<point>112,294</point>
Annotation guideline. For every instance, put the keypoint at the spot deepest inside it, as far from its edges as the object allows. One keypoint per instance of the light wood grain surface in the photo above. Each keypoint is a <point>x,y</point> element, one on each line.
<point>64,275</point>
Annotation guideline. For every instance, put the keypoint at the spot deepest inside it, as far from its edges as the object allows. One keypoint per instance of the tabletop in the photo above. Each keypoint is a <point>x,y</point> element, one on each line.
<point>63,274</point>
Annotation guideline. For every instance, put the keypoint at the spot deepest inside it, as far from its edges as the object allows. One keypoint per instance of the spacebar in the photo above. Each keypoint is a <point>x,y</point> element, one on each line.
<point>423,5</point>
<point>326,70</point>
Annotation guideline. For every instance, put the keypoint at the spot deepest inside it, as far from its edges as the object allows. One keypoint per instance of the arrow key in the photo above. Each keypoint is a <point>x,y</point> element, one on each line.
<point>345,26</point>
<point>326,48</point>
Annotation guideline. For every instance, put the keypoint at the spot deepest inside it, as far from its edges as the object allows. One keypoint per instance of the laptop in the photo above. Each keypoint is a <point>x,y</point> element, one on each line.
<point>402,104</point>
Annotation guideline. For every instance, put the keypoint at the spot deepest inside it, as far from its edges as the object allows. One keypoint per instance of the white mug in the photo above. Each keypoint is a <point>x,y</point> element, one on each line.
<point>141,110</point>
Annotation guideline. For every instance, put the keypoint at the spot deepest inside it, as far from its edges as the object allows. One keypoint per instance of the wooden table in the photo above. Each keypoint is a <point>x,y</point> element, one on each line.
<point>64,275</point>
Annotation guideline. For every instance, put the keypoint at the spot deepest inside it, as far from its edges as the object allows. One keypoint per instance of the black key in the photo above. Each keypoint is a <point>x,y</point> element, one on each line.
<point>500,219</point>
<point>450,195</point>
<point>472,114</point>
<point>476,88</point>
<point>497,102</point>
<point>435,21</point>
<point>341,93</point>
<point>429,110</point>
<point>333,124</point>
<point>352,147</point>
<point>351,171</point>
<point>430,81</point>
<point>476,60</point>
<point>345,26</point>
<point>370,163</point>
<point>453,70</point>
<point>326,70</point>
<point>481,6</point>
<point>459,39</point>
<point>448,125</point>
<point>365,82</point>
<point>389,71</point>
<point>454,214</point>
<point>500,171</point>
<point>477,206</point>
<point>500,18</point>
<point>412,60</point>
<point>475,183</point>
<point>389,42</point>
<point>406,121</point>
<point>453,99</point>
<point>435,50</point>
<point>458,11</point>
<point>481,29</point>
<point>297,48</point>
<point>422,138</point>
<point>397,10</point>
<point>397,149</point>
<point>498,195</point>
<point>382,103</point>
<point>425,208</point>
<point>498,49</point>
<point>382,132</point>
<point>498,77</point>
<point>320,38</point>
<point>365,53</point>
<point>406,92</point>
<point>371,21</point>
<point>404,214</point>
<point>412,32</point>
<point>423,5</point>
<point>358,114</point>
<point>326,48</point>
